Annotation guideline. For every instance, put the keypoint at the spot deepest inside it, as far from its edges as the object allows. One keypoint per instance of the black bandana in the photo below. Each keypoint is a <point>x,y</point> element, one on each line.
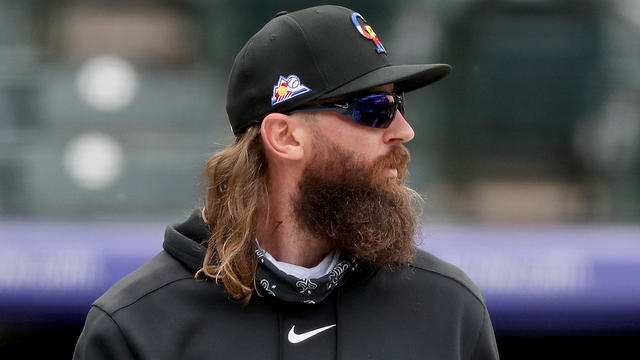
<point>274,282</point>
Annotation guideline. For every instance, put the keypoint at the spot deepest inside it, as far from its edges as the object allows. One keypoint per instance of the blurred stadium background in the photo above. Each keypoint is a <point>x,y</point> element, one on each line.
<point>528,154</point>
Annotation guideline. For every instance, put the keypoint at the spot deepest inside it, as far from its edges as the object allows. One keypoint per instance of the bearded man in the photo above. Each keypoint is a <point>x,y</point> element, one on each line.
<point>304,246</point>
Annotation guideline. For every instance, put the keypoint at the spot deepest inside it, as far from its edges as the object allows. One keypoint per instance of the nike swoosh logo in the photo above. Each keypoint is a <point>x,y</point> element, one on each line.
<point>298,338</point>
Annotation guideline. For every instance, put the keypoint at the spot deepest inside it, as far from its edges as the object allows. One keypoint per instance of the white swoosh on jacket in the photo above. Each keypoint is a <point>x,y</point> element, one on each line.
<point>297,338</point>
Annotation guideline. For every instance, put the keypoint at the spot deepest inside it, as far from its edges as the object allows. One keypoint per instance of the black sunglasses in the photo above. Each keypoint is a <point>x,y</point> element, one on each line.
<point>375,110</point>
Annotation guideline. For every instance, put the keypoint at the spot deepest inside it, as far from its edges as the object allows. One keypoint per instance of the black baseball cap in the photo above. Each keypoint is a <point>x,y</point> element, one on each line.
<point>313,54</point>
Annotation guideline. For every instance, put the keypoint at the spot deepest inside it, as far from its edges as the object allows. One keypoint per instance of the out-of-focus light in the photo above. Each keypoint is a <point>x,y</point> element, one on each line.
<point>93,160</point>
<point>611,140</point>
<point>107,83</point>
<point>629,9</point>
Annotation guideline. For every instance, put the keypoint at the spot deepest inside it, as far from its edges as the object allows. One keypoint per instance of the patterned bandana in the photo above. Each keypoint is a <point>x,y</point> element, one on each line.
<point>274,282</point>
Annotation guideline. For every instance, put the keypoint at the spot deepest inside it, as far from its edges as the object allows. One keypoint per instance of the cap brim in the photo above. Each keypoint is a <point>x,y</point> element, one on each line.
<point>405,78</point>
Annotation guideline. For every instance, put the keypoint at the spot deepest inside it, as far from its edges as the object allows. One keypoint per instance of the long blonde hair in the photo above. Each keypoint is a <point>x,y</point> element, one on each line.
<point>236,187</point>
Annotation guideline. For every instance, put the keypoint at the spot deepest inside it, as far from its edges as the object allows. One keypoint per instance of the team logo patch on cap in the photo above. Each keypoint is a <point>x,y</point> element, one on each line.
<point>287,88</point>
<point>367,31</point>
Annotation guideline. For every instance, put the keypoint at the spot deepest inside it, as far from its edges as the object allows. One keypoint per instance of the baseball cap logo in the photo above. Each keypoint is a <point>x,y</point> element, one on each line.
<point>367,31</point>
<point>287,88</point>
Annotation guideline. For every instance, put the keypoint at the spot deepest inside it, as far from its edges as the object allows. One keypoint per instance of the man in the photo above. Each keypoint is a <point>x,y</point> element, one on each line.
<point>304,247</point>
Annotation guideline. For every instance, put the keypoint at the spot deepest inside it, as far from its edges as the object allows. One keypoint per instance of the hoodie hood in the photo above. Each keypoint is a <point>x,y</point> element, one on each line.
<point>186,241</point>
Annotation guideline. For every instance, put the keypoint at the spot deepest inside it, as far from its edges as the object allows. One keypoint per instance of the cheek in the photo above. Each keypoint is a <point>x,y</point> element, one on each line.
<point>365,143</point>
<point>359,139</point>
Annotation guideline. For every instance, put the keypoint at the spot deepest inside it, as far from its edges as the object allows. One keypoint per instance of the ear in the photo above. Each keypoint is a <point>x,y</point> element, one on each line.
<point>283,136</point>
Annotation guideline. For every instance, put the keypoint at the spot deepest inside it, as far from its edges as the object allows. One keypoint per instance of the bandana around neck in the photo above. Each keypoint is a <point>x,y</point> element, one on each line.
<point>276,283</point>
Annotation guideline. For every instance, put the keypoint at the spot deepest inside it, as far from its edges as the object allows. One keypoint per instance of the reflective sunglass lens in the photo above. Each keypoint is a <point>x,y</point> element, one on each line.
<point>374,110</point>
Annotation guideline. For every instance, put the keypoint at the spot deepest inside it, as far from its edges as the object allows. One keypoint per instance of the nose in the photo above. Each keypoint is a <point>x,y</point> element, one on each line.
<point>399,131</point>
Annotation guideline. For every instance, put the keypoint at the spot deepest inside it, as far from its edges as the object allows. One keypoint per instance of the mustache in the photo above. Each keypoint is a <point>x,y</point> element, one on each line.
<point>398,157</point>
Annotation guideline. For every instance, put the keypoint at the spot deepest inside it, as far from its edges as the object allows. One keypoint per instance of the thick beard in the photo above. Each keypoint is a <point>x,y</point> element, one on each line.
<point>346,202</point>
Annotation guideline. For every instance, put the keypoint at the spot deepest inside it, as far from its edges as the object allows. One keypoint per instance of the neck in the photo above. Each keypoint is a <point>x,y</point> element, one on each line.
<point>280,235</point>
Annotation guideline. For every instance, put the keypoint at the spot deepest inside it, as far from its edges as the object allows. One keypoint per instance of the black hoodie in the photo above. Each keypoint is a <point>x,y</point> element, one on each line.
<point>428,310</point>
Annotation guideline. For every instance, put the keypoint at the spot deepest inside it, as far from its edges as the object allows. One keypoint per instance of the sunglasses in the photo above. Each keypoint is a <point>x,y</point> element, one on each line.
<point>376,110</point>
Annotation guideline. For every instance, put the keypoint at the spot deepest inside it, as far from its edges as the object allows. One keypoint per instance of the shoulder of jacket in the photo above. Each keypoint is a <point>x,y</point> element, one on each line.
<point>431,265</point>
<point>158,273</point>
